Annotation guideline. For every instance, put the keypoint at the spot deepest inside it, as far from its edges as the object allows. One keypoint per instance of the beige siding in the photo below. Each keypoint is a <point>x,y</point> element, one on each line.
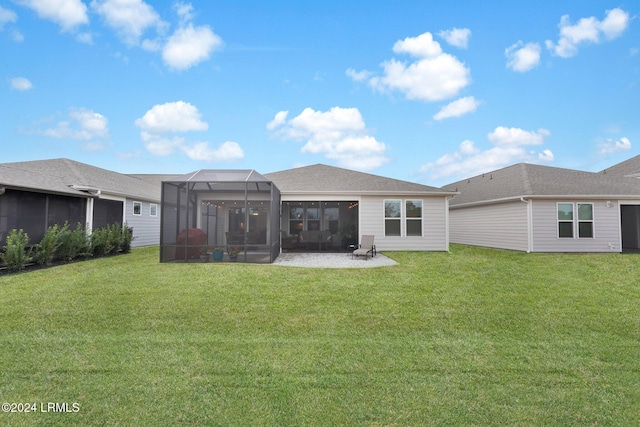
<point>503,225</point>
<point>146,228</point>
<point>434,224</point>
<point>606,228</point>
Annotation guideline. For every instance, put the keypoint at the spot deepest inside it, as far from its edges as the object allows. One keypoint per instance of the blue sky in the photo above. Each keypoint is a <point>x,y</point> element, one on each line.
<point>430,92</point>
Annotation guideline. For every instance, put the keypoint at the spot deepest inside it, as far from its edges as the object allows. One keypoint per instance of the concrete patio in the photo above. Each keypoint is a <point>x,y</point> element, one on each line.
<point>331,260</point>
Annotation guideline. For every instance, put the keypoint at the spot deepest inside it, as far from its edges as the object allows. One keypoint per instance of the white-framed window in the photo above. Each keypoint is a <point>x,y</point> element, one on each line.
<point>403,217</point>
<point>153,209</point>
<point>571,225</point>
<point>392,217</point>
<point>413,214</point>
<point>137,208</point>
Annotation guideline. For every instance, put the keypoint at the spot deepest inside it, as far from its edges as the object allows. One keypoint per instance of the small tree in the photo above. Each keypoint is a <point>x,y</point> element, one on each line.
<point>99,242</point>
<point>15,254</point>
<point>127,238</point>
<point>44,251</point>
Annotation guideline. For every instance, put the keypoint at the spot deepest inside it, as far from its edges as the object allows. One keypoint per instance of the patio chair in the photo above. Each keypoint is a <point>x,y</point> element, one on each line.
<point>366,247</point>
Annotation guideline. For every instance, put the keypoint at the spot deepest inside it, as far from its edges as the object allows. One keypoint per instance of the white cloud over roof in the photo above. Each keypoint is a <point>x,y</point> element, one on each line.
<point>509,147</point>
<point>162,126</point>
<point>128,18</point>
<point>67,13</point>
<point>189,46</point>
<point>457,108</point>
<point>82,125</point>
<point>7,16</point>
<point>588,30</point>
<point>458,37</point>
<point>432,76</point>
<point>21,83</point>
<point>339,134</point>
<point>172,117</point>
<point>523,57</point>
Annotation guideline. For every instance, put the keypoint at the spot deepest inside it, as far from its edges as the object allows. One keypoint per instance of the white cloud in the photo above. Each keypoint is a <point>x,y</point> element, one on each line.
<point>21,84</point>
<point>129,18</point>
<point>339,134</point>
<point>7,16</point>
<point>433,76</point>
<point>227,152</point>
<point>184,12</point>
<point>612,147</point>
<point>358,76</point>
<point>278,120</point>
<point>83,125</point>
<point>66,13</point>
<point>521,57</point>
<point>86,38</point>
<point>457,108</point>
<point>588,30</point>
<point>458,37</point>
<point>160,145</point>
<point>503,136</point>
<point>189,46</point>
<point>509,147</point>
<point>172,117</point>
<point>162,124</point>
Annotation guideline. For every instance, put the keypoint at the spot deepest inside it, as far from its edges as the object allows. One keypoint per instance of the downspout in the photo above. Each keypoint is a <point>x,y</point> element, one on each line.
<point>529,224</point>
<point>446,221</point>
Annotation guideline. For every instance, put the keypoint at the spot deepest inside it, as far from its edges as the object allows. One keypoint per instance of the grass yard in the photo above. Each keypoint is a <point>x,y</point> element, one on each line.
<point>471,337</point>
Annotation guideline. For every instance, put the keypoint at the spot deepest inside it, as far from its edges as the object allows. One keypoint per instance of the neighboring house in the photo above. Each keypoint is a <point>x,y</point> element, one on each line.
<point>315,207</point>
<point>536,208</point>
<point>35,195</point>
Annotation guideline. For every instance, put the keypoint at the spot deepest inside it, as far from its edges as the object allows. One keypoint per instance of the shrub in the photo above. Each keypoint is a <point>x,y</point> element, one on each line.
<point>127,238</point>
<point>15,254</point>
<point>44,252</point>
<point>73,243</point>
<point>114,238</point>
<point>99,242</point>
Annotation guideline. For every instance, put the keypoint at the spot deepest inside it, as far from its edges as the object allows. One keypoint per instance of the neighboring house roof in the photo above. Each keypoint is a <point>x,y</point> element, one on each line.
<point>527,180</point>
<point>629,168</point>
<point>321,178</point>
<point>64,176</point>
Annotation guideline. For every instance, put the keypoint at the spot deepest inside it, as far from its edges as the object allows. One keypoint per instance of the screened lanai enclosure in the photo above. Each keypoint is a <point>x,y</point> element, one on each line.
<point>226,215</point>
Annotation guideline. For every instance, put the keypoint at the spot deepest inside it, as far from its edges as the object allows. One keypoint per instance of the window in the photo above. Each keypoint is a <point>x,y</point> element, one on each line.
<point>137,208</point>
<point>392,217</point>
<point>414,217</point>
<point>153,209</point>
<point>565,220</point>
<point>585,220</point>
<point>568,224</point>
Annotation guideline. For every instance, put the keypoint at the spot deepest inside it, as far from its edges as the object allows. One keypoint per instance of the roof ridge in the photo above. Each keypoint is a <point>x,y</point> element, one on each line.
<point>526,182</point>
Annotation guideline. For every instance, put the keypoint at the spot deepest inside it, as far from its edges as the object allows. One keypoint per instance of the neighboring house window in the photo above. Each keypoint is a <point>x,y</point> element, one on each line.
<point>414,217</point>
<point>585,220</point>
<point>392,217</point>
<point>137,208</point>
<point>568,223</point>
<point>153,209</point>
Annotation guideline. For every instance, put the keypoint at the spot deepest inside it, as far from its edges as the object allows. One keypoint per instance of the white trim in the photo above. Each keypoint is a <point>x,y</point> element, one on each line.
<point>151,210</point>
<point>133,208</point>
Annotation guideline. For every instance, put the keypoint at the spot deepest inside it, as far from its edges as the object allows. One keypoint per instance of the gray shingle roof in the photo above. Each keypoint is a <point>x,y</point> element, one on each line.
<point>527,180</point>
<point>628,168</point>
<point>321,178</point>
<point>59,175</point>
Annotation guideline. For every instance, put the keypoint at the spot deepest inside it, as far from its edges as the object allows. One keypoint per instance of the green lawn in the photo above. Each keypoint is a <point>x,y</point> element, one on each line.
<point>474,336</point>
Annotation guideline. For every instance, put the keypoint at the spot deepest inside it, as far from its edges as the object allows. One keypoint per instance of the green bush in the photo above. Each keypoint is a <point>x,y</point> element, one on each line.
<point>114,238</point>
<point>99,242</point>
<point>127,238</point>
<point>45,251</point>
<point>73,243</point>
<point>15,255</point>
